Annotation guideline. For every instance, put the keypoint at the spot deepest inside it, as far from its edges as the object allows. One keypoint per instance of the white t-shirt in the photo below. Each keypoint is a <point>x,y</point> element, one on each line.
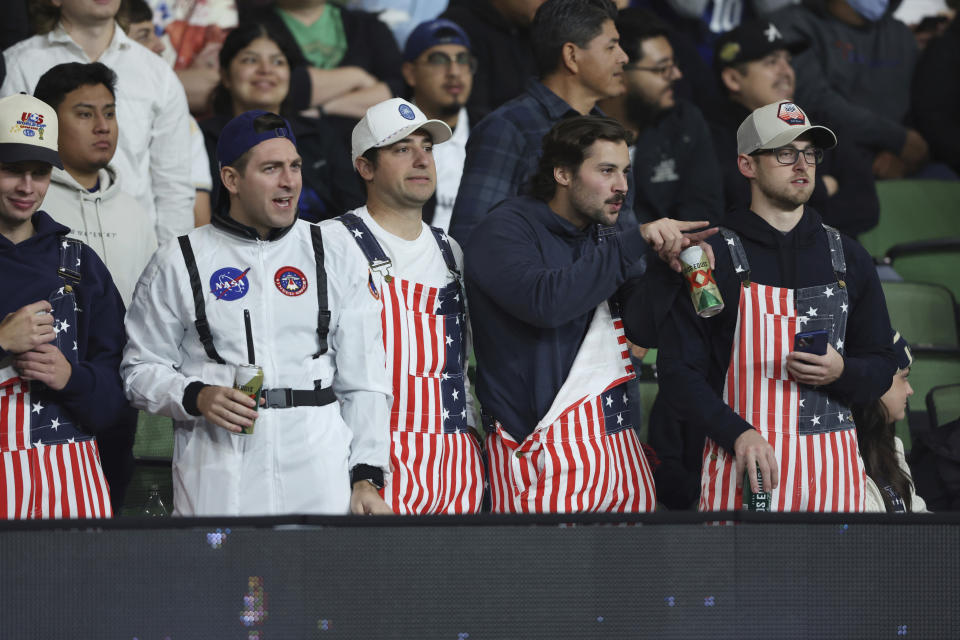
<point>449,157</point>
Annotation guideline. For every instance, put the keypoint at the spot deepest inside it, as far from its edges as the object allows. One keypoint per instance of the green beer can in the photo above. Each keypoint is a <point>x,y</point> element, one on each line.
<point>249,380</point>
<point>759,501</point>
<point>706,297</point>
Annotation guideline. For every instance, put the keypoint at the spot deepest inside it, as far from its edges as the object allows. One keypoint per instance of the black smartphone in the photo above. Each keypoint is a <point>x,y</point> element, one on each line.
<point>811,342</point>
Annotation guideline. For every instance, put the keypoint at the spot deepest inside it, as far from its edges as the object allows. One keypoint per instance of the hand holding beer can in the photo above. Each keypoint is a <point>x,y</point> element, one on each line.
<point>704,292</point>
<point>249,380</point>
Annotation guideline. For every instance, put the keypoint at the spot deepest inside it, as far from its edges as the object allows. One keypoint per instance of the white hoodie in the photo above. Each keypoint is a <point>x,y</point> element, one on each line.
<point>111,221</point>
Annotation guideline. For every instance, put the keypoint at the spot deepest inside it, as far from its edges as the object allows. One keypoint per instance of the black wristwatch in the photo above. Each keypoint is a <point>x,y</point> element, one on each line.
<point>373,475</point>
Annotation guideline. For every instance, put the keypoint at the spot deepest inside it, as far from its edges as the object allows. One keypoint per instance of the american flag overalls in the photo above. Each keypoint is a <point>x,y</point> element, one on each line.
<point>49,465</point>
<point>813,436</point>
<point>434,457</point>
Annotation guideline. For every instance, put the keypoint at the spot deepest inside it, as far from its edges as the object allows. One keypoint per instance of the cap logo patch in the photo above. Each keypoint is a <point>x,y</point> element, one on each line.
<point>290,281</point>
<point>790,114</point>
<point>772,33</point>
<point>229,283</point>
<point>729,51</point>
<point>406,112</point>
<point>30,124</point>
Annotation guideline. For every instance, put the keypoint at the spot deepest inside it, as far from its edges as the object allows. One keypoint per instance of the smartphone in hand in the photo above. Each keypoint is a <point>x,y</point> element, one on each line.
<point>814,342</point>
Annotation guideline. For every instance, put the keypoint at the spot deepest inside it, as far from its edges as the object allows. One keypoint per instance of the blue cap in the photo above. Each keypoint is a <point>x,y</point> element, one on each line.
<point>901,350</point>
<point>430,34</point>
<point>240,135</point>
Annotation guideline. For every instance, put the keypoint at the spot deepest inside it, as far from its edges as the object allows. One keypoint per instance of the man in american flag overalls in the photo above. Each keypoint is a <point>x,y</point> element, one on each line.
<point>61,337</point>
<point>544,274</point>
<point>415,274</point>
<point>764,396</point>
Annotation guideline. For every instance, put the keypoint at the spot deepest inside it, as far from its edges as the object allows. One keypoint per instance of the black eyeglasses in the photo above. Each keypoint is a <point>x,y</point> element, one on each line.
<point>662,70</point>
<point>789,155</point>
<point>439,59</point>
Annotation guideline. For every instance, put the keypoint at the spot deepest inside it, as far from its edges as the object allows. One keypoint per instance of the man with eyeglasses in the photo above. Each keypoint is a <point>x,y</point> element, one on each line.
<point>674,170</point>
<point>438,66</point>
<point>767,402</point>
<point>753,64</point>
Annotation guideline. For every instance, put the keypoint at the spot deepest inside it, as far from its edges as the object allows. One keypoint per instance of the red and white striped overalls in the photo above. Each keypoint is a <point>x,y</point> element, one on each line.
<point>49,466</point>
<point>434,457</point>
<point>584,454</point>
<point>813,435</point>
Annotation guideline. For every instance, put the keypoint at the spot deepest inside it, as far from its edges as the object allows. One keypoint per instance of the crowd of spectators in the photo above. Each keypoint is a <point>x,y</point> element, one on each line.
<point>143,90</point>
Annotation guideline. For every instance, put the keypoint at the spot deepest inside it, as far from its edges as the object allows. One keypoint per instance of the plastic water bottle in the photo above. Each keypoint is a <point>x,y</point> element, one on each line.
<point>154,507</point>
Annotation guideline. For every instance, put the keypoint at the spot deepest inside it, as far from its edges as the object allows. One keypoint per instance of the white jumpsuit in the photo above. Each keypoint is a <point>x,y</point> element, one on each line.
<point>298,459</point>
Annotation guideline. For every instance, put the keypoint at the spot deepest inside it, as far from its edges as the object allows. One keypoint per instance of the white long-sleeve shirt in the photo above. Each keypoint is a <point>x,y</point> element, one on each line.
<point>153,151</point>
<point>298,459</point>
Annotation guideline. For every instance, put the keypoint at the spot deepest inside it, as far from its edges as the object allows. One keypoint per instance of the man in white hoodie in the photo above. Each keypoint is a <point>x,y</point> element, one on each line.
<point>86,194</point>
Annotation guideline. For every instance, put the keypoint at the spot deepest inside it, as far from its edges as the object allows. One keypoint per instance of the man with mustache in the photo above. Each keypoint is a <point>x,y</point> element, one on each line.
<point>753,64</point>
<point>257,287</point>
<point>766,403</point>
<point>544,274</point>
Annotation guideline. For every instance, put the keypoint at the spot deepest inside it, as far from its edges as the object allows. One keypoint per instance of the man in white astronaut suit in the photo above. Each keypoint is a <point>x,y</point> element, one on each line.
<point>254,285</point>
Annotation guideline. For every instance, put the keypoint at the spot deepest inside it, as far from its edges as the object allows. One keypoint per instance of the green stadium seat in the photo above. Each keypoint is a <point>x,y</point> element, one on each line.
<point>936,261</point>
<point>943,404</point>
<point>913,210</point>
<point>925,314</point>
<point>932,367</point>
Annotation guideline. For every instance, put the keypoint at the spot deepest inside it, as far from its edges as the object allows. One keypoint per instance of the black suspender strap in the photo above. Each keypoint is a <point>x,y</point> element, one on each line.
<point>199,307</point>
<point>738,255</point>
<point>323,316</point>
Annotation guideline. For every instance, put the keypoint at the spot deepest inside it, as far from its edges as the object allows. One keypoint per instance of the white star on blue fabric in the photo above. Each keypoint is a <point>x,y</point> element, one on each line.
<point>730,241</point>
<point>64,325</point>
<point>625,398</point>
<point>609,401</point>
<point>812,312</point>
<point>446,414</point>
<point>801,402</point>
<point>37,407</point>
<point>55,424</point>
<point>828,292</point>
<point>843,307</point>
<point>815,420</point>
<point>449,341</point>
<point>456,394</point>
<point>444,376</point>
<point>357,233</point>
<point>839,344</point>
<point>619,418</point>
<point>463,414</point>
<point>64,244</point>
<point>739,269</point>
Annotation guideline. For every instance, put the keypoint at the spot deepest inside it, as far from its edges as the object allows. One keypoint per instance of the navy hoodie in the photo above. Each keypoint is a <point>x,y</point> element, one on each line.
<point>694,352</point>
<point>94,392</point>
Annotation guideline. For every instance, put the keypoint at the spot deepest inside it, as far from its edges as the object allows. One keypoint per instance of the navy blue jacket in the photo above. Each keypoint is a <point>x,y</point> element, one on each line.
<point>694,352</point>
<point>533,282</point>
<point>94,393</point>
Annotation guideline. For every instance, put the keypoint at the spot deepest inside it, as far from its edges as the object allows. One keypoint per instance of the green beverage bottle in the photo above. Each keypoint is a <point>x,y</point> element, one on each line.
<point>759,501</point>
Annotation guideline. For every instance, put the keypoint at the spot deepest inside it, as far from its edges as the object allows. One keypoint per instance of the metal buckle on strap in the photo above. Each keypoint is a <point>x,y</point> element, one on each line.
<point>278,398</point>
<point>382,267</point>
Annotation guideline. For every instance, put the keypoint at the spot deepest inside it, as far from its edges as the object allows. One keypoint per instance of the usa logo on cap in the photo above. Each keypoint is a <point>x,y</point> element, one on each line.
<point>290,281</point>
<point>406,112</point>
<point>791,114</point>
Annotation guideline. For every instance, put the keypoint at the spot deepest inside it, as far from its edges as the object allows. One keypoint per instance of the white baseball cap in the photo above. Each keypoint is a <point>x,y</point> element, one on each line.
<point>777,124</point>
<point>392,120</point>
<point>28,130</point>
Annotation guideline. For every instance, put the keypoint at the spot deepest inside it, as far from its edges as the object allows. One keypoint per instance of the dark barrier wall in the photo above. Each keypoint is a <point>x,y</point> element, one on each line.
<point>481,578</point>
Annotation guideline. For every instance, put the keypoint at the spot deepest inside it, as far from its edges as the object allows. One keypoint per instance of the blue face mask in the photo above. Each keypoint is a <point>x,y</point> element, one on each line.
<point>870,10</point>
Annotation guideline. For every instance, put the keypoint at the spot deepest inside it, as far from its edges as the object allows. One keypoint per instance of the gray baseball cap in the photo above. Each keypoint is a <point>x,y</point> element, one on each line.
<point>777,124</point>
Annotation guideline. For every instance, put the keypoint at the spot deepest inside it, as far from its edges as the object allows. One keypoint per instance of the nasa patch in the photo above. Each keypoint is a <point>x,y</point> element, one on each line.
<point>791,114</point>
<point>229,283</point>
<point>406,112</point>
<point>290,281</point>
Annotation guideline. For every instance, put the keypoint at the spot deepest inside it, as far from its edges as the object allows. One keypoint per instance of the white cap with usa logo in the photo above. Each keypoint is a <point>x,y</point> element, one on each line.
<point>28,130</point>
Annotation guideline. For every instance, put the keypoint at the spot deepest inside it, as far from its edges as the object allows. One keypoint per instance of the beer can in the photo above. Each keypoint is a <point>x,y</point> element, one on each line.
<point>249,380</point>
<point>759,501</point>
<point>706,297</point>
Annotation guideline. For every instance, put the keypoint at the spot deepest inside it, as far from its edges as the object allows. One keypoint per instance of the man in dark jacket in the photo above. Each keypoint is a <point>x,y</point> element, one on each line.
<point>753,66</point>
<point>856,76</point>
<point>769,403</point>
<point>674,170</point>
<point>500,33</point>
<point>61,338</point>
